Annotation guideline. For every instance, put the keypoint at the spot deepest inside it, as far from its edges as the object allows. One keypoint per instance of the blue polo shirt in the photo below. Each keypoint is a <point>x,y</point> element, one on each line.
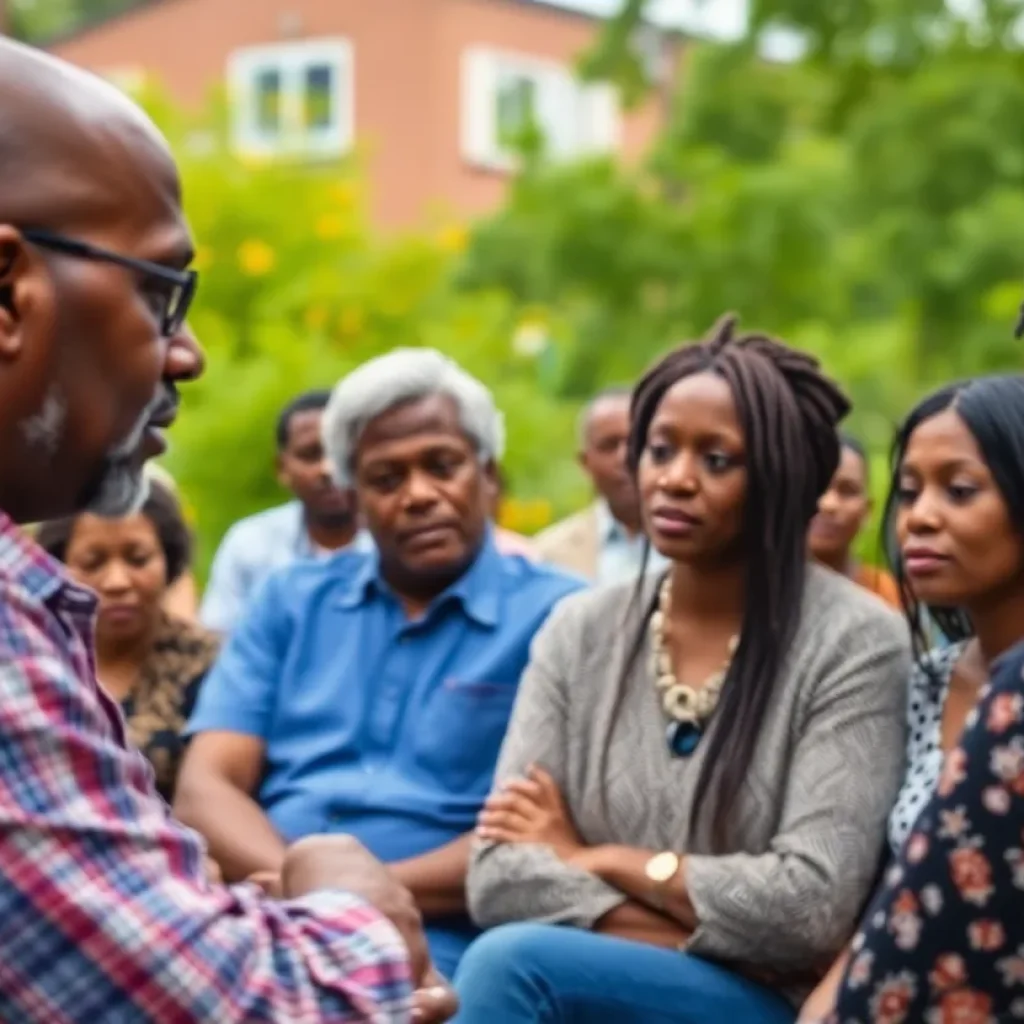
<point>374,725</point>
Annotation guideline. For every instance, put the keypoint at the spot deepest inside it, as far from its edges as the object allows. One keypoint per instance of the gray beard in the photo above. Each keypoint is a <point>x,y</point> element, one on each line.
<point>122,491</point>
<point>121,488</point>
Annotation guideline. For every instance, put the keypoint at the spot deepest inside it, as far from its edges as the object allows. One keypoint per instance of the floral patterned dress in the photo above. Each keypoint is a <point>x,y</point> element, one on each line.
<point>943,942</point>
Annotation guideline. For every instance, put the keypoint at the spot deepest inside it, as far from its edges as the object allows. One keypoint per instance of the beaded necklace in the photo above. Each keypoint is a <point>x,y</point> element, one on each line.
<point>687,708</point>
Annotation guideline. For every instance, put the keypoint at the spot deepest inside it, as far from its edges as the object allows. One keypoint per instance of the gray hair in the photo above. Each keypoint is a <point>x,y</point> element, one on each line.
<point>405,375</point>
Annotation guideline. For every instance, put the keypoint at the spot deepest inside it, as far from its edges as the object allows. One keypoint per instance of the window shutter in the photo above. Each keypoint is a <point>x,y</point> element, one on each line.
<point>603,119</point>
<point>479,128</point>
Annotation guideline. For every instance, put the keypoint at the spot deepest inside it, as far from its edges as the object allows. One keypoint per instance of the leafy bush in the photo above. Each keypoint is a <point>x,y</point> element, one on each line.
<point>296,291</point>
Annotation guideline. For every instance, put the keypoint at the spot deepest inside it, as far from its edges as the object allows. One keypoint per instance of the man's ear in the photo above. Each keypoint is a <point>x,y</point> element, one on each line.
<point>279,471</point>
<point>10,267</point>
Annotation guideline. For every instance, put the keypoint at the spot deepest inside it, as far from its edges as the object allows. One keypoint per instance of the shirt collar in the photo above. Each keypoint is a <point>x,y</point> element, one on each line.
<point>302,546</point>
<point>609,529</point>
<point>27,565</point>
<point>302,543</point>
<point>476,591</point>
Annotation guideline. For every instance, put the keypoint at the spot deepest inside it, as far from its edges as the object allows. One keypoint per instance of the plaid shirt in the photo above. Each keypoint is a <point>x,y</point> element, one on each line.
<point>105,914</point>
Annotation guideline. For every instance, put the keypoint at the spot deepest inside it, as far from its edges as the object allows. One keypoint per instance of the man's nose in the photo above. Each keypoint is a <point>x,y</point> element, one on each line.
<point>326,470</point>
<point>185,359</point>
<point>420,491</point>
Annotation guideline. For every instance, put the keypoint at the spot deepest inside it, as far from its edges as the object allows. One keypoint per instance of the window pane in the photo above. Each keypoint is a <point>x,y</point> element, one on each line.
<point>268,101</point>
<point>516,113</point>
<point>318,96</point>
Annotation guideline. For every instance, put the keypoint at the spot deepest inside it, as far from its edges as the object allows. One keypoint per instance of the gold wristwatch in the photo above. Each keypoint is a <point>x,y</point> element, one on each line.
<point>660,870</point>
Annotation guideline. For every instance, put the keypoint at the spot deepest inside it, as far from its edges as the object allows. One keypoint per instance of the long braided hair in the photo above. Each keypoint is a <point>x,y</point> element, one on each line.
<point>789,411</point>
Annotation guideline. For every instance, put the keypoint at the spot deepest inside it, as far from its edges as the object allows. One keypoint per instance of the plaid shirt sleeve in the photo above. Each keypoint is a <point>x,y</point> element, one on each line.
<point>104,911</point>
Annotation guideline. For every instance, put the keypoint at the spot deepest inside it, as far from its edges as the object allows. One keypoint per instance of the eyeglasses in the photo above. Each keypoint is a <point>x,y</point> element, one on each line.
<point>173,290</point>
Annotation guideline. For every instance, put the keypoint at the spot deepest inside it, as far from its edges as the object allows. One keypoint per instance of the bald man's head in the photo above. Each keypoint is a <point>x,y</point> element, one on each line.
<point>89,197</point>
<point>65,136</point>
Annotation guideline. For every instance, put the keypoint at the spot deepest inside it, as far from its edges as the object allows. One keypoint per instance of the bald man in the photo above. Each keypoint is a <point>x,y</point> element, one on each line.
<point>106,912</point>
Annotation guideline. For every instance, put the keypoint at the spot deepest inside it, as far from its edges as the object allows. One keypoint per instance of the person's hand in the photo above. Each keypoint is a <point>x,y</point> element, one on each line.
<point>212,870</point>
<point>269,882</point>
<point>820,1003</point>
<point>530,810</point>
<point>320,863</point>
<point>434,1001</point>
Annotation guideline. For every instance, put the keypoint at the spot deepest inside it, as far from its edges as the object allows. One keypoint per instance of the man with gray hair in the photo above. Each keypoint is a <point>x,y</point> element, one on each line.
<point>370,694</point>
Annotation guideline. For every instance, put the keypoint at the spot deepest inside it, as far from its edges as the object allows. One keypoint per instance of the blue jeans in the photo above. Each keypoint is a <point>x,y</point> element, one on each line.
<point>545,974</point>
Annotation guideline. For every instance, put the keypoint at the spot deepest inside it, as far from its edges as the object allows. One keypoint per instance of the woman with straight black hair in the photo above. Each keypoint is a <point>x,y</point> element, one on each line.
<point>697,774</point>
<point>944,938</point>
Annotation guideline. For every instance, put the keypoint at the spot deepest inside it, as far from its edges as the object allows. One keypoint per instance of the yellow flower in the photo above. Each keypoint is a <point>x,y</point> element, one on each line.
<point>329,226</point>
<point>203,259</point>
<point>316,318</point>
<point>537,515</point>
<point>351,322</point>
<point>253,161</point>
<point>453,239</point>
<point>510,514</point>
<point>256,258</point>
<point>344,193</point>
<point>524,516</point>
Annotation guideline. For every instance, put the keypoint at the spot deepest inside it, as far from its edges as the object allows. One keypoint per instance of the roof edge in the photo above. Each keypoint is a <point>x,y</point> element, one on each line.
<point>102,21</point>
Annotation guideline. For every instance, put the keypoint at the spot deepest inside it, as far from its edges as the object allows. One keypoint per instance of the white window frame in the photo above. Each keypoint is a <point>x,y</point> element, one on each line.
<point>595,116</point>
<point>292,60</point>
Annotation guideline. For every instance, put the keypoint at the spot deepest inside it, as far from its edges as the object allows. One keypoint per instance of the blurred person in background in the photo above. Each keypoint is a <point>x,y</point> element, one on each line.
<point>508,542</point>
<point>370,693</point>
<point>843,511</point>
<point>605,542</point>
<point>321,520</point>
<point>108,913</point>
<point>692,794</point>
<point>149,661</point>
<point>182,598</point>
<point>943,939</point>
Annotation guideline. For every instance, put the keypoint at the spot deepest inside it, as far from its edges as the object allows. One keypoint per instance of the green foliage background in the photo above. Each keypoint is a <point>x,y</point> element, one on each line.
<point>296,290</point>
<point>865,201</point>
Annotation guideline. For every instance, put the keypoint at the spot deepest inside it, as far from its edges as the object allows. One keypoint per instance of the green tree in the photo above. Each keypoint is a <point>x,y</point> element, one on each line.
<point>864,201</point>
<point>39,20</point>
<point>870,190</point>
<point>296,291</point>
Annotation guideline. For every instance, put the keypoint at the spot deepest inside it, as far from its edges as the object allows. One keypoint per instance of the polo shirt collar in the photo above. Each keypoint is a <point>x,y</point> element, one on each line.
<point>477,591</point>
<point>609,529</point>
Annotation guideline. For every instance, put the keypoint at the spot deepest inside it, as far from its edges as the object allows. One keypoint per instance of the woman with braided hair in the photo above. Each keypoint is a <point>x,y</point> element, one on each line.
<point>691,799</point>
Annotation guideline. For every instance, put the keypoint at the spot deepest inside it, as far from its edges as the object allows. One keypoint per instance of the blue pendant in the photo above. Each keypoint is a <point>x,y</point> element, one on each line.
<point>683,738</point>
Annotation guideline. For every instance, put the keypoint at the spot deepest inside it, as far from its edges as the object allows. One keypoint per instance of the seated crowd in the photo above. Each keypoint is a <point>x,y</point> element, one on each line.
<point>679,760</point>
<point>701,759</point>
